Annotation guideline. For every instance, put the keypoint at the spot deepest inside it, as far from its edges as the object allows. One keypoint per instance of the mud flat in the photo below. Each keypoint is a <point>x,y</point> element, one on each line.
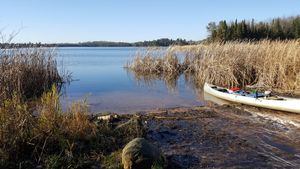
<point>227,136</point>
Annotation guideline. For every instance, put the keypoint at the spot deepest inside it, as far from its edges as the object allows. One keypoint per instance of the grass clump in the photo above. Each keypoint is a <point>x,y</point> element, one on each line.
<point>153,61</point>
<point>76,122</point>
<point>113,161</point>
<point>28,71</point>
<point>50,114</point>
<point>264,64</point>
<point>55,139</point>
<point>15,130</point>
<point>154,64</point>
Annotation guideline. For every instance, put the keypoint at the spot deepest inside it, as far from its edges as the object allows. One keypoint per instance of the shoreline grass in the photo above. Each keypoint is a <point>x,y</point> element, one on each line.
<point>34,130</point>
<point>57,139</point>
<point>28,72</point>
<point>265,64</point>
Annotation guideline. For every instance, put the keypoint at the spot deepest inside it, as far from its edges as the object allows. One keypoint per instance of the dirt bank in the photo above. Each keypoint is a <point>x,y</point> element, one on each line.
<point>225,137</point>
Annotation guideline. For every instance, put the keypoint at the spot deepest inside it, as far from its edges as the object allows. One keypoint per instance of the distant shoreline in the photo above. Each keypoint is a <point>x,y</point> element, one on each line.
<point>164,42</point>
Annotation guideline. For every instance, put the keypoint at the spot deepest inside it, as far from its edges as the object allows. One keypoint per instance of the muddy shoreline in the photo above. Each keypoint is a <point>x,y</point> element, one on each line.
<point>227,136</point>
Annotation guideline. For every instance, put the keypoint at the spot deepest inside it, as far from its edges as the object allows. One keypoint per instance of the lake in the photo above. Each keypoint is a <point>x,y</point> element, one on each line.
<point>99,75</point>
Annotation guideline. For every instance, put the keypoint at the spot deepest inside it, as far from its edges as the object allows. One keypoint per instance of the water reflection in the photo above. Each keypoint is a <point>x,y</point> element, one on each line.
<point>100,75</point>
<point>170,80</point>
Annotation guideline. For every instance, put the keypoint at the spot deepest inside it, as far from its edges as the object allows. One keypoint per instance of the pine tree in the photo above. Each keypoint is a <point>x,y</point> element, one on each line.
<point>279,28</point>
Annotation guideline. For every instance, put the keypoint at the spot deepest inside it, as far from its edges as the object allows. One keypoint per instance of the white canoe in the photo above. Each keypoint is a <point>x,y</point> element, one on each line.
<point>284,104</point>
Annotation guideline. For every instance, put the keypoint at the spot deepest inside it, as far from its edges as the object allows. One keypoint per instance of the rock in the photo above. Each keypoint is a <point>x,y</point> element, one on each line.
<point>140,154</point>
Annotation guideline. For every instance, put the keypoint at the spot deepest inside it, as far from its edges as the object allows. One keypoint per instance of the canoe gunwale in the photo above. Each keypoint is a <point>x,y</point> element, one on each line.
<point>289,105</point>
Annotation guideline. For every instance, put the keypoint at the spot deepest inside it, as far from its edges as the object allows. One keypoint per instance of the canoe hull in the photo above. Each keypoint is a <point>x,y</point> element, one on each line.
<point>289,105</point>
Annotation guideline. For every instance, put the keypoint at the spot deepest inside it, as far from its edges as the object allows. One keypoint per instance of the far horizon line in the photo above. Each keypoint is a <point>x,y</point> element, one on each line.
<point>108,41</point>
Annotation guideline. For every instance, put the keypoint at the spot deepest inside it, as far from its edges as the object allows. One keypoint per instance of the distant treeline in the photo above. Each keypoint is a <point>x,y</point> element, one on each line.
<point>24,45</point>
<point>158,42</point>
<point>276,29</point>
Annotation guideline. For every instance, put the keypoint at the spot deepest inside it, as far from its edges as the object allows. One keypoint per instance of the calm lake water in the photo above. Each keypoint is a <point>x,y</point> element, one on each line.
<point>99,76</point>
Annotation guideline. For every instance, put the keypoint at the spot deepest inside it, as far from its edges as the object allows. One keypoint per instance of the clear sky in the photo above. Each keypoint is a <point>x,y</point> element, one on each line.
<point>50,21</point>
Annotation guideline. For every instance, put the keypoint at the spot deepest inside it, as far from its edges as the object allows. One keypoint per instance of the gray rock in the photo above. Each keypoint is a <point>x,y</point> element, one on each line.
<point>140,154</point>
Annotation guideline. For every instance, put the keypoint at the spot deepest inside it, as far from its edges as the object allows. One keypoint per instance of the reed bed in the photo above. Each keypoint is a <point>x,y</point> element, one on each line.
<point>155,61</point>
<point>55,139</point>
<point>28,72</point>
<point>27,140</point>
<point>156,64</point>
<point>34,130</point>
<point>265,64</point>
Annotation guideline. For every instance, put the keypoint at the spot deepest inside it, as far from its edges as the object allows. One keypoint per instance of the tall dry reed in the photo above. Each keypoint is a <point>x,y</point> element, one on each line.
<point>28,72</point>
<point>264,64</point>
<point>34,138</point>
<point>155,61</point>
<point>156,64</point>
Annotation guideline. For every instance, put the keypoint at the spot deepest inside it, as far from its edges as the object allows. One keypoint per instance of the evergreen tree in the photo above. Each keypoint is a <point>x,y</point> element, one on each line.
<point>279,28</point>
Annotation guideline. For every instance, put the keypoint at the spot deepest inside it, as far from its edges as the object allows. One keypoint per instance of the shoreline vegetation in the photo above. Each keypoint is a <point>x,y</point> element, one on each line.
<point>158,42</point>
<point>56,139</point>
<point>29,72</point>
<point>276,29</point>
<point>36,133</point>
<point>34,130</point>
<point>262,65</point>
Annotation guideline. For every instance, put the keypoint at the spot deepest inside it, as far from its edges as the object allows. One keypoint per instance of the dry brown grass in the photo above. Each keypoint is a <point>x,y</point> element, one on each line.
<point>24,136</point>
<point>265,64</point>
<point>52,121</point>
<point>28,72</point>
<point>42,134</point>
<point>50,113</point>
<point>155,61</point>
<point>52,138</point>
<point>77,123</point>
<point>157,64</point>
<point>15,128</point>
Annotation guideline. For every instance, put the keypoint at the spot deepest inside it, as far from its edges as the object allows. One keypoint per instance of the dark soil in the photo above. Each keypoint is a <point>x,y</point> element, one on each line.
<point>225,137</point>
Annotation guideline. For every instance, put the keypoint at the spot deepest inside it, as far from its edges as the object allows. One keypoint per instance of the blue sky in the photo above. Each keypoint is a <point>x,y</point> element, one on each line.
<point>50,21</point>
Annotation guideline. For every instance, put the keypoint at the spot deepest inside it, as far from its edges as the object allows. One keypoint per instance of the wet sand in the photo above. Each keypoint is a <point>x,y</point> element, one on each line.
<point>227,136</point>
